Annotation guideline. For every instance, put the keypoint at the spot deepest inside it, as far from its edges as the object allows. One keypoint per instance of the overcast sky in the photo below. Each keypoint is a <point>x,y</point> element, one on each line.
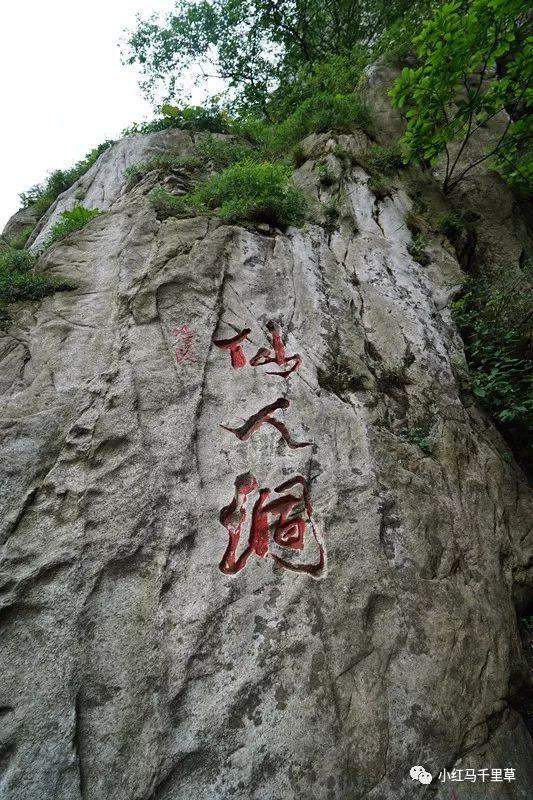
<point>63,88</point>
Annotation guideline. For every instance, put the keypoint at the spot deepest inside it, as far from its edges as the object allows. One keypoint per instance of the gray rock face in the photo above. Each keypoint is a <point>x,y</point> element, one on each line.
<point>132,667</point>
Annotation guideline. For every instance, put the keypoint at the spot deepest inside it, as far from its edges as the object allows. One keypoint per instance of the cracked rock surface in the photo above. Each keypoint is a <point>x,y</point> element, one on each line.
<point>131,667</point>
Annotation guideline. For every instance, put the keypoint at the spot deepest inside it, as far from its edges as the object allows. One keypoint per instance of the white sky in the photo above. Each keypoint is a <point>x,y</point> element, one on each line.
<point>63,89</point>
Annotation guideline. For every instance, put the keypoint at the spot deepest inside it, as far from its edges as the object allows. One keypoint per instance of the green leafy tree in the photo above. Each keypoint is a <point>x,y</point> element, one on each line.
<point>257,45</point>
<point>475,61</point>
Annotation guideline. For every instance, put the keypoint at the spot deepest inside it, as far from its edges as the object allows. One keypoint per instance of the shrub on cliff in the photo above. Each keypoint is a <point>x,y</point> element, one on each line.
<point>18,281</point>
<point>188,118</point>
<point>323,112</point>
<point>71,221</point>
<point>495,323</point>
<point>254,191</point>
<point>170,205</point>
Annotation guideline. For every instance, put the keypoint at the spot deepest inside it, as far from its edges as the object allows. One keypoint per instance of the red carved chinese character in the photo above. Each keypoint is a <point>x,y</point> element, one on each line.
<point>185,338</point>
<point>245,431</point>
<point>288,529</point>
<point>238,359</point>
<point>264,356</point>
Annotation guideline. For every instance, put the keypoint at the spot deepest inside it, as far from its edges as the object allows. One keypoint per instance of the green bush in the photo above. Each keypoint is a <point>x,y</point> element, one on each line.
<point>451,225</point>
<point>19,242</point>
<point>326,176</point>
<point>331,214</point>
<point>170,205</point>
<point>417,249</point>
<point>191,118</point>
<point>420,436</point>
<point>19,282</point>
<point>71,221</point>
<point>495,323</point>
<point>252,191</point>
<point>337,74</point>
<point>41,196</point>
<point>16,260</point>
<point>384,160</point>
<point>380,187</point>
<point>222,153</point>
<point>318,114</point>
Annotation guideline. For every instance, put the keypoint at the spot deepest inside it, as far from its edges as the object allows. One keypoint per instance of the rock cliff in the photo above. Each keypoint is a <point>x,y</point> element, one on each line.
<point>375,631</point>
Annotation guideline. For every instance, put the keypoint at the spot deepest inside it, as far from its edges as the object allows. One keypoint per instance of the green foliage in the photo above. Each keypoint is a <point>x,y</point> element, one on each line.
<point>331,214</point>
<point>41,196</point>
<point>340,113</point>
<point>417,249</point>
<point>380,187</point>
<point>248,191</point>
<point>384,160</point>
<point>18,281</point>
<point>419,435</point>
<point>515,155</point>
<point>304,49</point>
<point>337,74</point>
<point>395,43</point>
<point>70,221</point>
<point>189,118</point>
<point>16,260</point>
<point>495,321</point>
<point>222,153</point>
<point>170,205</point>
<point>19,242</point>
<point>326,176</point>
<point>448,97</point>
<point>342,153</point>
<point>253,191</point>
<point>298,156</point>
<point>210,152</point>
<point>452,225</point>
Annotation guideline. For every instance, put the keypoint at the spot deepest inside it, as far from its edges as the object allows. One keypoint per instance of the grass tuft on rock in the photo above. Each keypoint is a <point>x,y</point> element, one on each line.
<point>71,221</point>
<point>19,281</point>
<point>417,249</point>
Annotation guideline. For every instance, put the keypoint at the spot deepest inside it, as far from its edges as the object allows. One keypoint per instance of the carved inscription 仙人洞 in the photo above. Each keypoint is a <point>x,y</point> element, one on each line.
<point>283,520</point>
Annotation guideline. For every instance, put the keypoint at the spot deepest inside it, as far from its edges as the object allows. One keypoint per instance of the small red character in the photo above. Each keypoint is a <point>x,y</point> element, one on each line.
<point>264,416</point>
<point>185,338</point>
<point>287,530</point>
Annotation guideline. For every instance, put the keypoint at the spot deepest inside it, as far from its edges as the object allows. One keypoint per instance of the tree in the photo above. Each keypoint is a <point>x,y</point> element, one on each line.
<point>457,88</point>
<point>254,45</point>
